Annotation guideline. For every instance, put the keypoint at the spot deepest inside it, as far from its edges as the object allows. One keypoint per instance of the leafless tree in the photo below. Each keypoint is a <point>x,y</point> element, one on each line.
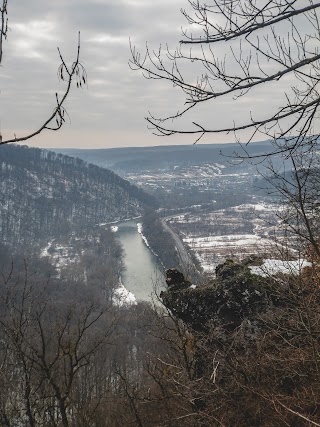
<point>48,349</point>
<point>297,184</point>
<point>66,73</point>
<point>237,47</point>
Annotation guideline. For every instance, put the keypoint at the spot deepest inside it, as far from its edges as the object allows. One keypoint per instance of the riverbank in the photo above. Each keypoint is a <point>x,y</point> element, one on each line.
<point>143,274</point>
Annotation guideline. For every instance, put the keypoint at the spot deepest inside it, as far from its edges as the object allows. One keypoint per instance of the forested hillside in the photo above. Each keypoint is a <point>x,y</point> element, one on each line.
<point>44,194</point>
<point>131,160</point>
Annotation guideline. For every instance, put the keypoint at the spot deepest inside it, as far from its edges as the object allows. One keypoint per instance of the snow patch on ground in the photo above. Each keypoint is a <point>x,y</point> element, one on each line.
<point>123,297</point>
<point>140,231</point>
<point>225,241</point>
<point>44,251</point>
<point>59,255</point>
<point>207,264</point>
<point>273,266</point>
<point>254,207</point>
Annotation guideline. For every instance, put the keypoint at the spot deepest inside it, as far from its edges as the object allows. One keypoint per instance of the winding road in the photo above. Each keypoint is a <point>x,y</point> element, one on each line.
<point>183,254</point>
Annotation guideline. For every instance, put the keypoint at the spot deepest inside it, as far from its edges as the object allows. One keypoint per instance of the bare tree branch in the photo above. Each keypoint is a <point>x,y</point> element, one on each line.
<point>57,118</point>
<point>65,73</point>
<point>264,42</point>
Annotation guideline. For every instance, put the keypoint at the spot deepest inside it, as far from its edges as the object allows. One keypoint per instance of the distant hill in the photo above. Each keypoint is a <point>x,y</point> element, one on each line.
<point>45,194</point>
<point>133,159</point>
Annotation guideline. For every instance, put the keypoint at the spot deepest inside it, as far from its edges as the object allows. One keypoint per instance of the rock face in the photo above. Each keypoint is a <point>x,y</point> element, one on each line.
<point>233,296</point>
<point>175,280</point>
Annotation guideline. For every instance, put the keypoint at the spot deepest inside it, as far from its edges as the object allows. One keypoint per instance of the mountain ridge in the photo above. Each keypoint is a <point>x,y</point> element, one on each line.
<point>44,194</point>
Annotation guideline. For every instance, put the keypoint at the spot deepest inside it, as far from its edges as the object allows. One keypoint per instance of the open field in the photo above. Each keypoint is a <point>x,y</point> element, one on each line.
<point>235,232</point>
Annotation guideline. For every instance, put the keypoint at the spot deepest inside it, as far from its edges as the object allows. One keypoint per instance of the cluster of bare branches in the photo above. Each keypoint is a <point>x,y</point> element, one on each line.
<point>265,372</point>
<point>262,43</point>
<point>297,186</point>
<point>66,73</point>
<point>240,50</point>
<point>49,345</point>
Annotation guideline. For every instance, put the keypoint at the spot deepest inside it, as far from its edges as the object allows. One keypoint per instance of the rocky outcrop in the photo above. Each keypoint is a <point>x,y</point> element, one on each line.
<point>236,294</point>
<point>175,280</point>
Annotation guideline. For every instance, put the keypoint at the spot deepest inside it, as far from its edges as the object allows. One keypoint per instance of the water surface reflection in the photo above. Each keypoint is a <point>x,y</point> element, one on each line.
<point>142,269</point>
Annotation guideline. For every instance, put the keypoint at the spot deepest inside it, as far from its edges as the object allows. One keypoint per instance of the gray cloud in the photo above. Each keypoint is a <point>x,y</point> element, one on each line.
<point>111,110</point>
<point>117,99</point>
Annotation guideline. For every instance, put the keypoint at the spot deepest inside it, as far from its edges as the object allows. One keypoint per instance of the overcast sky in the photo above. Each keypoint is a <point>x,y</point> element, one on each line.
<point>110,111</point>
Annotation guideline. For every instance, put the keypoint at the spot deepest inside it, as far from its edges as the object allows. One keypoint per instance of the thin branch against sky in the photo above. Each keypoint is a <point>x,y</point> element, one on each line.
<point>111,111</point>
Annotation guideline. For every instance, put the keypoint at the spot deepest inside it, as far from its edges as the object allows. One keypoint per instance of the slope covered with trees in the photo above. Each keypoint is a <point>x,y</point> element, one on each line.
<point>44,194</point>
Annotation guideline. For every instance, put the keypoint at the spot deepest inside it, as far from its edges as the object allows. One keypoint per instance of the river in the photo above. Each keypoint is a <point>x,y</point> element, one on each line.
<point>142,270</point>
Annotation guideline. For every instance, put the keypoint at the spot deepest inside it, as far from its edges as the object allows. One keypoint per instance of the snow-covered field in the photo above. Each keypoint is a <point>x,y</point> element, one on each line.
<point>273,266</point>
<point>225,241</point>
<point>236,233</point>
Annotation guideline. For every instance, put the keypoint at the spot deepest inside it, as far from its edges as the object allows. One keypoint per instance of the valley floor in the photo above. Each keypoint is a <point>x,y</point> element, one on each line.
<point>235,232</point>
